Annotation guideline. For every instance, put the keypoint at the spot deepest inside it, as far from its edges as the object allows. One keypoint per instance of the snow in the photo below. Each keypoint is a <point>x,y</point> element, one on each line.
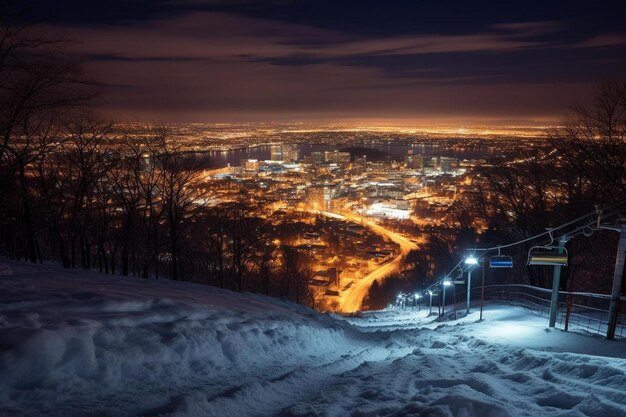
<point>76,343</point>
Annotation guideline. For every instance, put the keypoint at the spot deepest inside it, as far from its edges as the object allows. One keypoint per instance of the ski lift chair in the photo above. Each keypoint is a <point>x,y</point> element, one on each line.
<point>500,261</point>
<point>547,255</point>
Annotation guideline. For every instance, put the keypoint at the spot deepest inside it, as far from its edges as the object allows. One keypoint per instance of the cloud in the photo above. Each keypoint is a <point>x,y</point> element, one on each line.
<point>603,41</point>
<point>200,64</point>
<point>228,36</point>
<point>529,29</point>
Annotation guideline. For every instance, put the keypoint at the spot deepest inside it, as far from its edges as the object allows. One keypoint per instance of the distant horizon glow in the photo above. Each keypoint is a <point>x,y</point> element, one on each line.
<point>407,128</point>
<point>421,63</point>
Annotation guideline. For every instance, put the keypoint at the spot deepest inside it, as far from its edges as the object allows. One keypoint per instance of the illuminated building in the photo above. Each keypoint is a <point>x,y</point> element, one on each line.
<point>315,198</point>
<point>317,157</point>
<point>360,164</point>
<point>250,165</point>
<point>337,157</point>
<point>276,153</point>
<point>289,153</point>
<point>285,153</point>
<point>414,161</point>
<point>446,164</point>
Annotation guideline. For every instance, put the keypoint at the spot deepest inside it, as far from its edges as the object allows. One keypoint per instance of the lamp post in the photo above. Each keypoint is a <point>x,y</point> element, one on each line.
<point>445,283</point>
<point>482,289</point>
<point>471,262</point>
<point>417,297</point>
<point>438,304</point>
<point>430,307</point>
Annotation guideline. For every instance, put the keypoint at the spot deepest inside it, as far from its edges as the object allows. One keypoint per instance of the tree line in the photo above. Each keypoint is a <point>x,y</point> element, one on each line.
<point>581,166</point>
<point>80,190</point>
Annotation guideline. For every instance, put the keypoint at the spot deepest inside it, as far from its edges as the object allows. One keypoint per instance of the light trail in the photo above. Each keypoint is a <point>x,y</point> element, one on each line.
<point>352,298</point>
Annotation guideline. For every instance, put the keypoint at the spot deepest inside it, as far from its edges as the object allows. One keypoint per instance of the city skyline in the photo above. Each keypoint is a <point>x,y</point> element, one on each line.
<point>297,208</point>
<point>404,63</point>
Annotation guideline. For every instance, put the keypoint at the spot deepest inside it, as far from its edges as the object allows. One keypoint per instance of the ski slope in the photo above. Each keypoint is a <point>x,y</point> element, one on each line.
<point>75,343</point>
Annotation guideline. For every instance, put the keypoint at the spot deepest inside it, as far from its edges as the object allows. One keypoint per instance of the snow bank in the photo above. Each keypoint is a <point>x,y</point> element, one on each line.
<point>81,344</point>
<point>70,337</point>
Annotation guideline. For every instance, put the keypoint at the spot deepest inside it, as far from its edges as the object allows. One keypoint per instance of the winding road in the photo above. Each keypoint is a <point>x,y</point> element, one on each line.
<point>352,298</point>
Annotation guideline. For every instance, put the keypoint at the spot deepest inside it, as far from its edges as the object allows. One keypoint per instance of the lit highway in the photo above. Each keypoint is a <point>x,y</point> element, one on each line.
<point>352,298</point>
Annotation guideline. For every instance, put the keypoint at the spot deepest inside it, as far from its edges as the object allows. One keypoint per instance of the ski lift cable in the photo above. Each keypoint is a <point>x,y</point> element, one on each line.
<point>599,213</point>
<point>607,212</point>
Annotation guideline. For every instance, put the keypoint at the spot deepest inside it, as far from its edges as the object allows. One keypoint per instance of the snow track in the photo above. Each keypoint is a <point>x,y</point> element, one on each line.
<point>82,344</point>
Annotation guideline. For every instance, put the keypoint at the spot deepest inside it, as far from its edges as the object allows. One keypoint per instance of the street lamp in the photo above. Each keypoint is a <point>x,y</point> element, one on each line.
<point>430,307</point>
<point>446,283</point>
<point>471,262</point>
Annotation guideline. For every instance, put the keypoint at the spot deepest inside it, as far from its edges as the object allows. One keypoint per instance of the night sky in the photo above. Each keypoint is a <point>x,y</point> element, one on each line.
<point>415,61</point>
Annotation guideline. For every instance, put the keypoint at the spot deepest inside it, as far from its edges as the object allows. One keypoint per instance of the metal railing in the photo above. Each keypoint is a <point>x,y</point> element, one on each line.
<point>578,311</point>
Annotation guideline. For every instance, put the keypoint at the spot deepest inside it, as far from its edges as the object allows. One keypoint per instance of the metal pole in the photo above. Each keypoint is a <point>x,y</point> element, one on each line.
<point>454,298</point>
<point>430,308</point>
<point>616,291</point>
<point>438,304</point>
<point>556,282</point>
<point>443,303</point>
<point>482,289</point>
<point>469,285</point>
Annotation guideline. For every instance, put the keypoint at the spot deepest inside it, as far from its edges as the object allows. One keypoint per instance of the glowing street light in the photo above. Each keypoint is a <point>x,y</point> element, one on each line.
<point>471,262</point>
<point>417,296</point>
<point>401,300</point>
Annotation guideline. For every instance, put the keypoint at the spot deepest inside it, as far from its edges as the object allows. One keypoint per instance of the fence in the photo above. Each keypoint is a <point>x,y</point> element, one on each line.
<point>578,311</point>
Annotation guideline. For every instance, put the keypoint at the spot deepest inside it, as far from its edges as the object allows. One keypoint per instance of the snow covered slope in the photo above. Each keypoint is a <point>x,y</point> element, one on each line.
<point>74,343</point>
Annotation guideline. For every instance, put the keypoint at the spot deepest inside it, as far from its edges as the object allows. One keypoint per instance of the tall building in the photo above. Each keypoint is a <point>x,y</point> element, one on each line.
<point>431,162</point>
<point>317,157</point>
<point>447,164</point>
<point>343,158</point>
<point>359,165</point>
<point>250,165</point>
<point>276,153</point>
<point>337,157</point>
<point>290,153</point>
<point>316,198</point>
<point>414,161</point>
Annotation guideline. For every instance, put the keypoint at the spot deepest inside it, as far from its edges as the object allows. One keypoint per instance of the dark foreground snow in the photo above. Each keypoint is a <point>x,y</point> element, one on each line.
<point>81,344</point>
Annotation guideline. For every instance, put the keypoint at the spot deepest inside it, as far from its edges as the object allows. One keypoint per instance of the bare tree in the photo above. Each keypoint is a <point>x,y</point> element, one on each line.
<point>592,144</point>
<point>40,84</point>
<point>180,198</point>
<point>582,165</point>
<point>297,272</point>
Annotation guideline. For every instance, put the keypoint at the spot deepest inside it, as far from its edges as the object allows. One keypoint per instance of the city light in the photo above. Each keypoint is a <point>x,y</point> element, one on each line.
<point>227,195</point>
